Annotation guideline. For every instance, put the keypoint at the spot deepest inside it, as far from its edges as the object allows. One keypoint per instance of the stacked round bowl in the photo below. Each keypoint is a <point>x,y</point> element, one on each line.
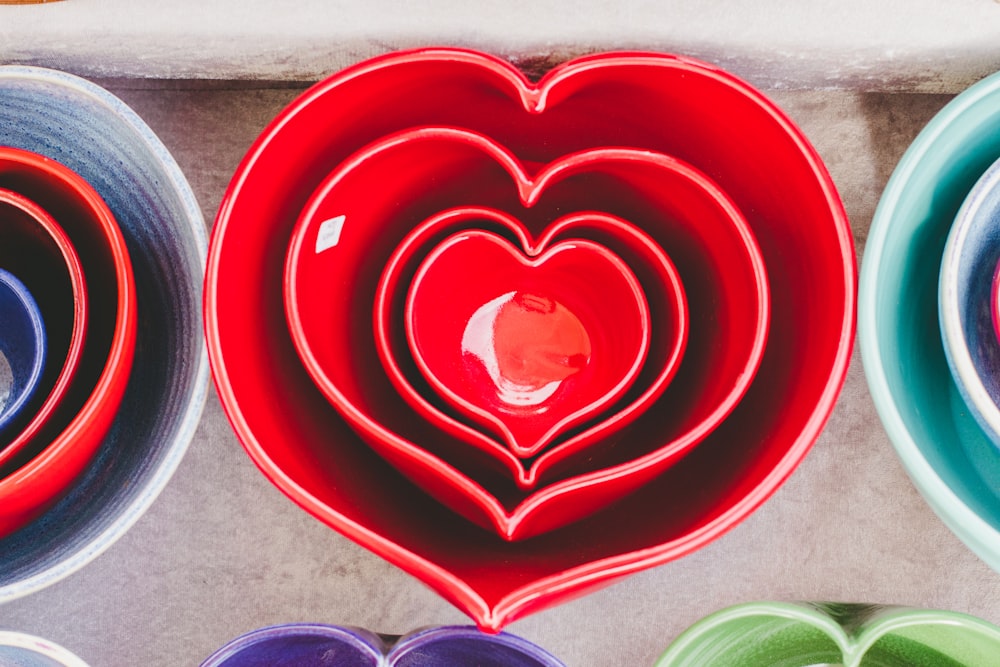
<point>104,371</point>
<point>927,320</point>
<point>522,338</point>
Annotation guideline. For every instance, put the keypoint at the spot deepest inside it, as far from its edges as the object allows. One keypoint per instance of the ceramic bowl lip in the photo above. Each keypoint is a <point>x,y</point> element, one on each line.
<point>598,407</point>
<point>412,641</point>
<point>981,536</point>
<point>40,646</point>
<point>75,351</point>
<point>172,177</point>
<point>508,522</point>
<point>406,252</point>
<point>373,644</point>
<point>364,641</point>
<point>890,618</point>
<point>11,410</point>
<point>118,364</point>
<point>951,307</point>
<point>519,601</point>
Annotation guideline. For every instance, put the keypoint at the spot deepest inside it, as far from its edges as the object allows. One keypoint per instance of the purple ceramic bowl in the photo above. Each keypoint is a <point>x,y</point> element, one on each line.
<point>317,645</point>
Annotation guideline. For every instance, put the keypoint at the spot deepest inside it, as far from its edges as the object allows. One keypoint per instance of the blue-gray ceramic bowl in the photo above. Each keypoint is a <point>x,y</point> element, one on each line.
<point>22,342</point>
<point>21,650</point>
<point>951,461</point>
<point>97,135</point>
<point>965,301</point>
<point>317,645</point>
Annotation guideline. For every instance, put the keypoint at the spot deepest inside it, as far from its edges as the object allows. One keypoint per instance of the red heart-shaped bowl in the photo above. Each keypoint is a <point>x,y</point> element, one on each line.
<point>527,342</point>
<point>579,452</point>
<point>678,206</point>
<point>36,249</point>
<point>37,476</point>
<point>669,104</point>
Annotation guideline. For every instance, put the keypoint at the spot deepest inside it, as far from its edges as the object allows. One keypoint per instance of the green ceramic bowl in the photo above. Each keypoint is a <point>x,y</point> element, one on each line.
<point>765,634</point>
<point>949,458</point>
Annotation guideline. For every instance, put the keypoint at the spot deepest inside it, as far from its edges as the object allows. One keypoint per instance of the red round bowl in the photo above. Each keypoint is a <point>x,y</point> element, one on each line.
<point>717,261</point>
<point>527,342</point>
<point>35,479</point>
<point>37,250</point>
<point>670,104</point>
<point>579,452</point>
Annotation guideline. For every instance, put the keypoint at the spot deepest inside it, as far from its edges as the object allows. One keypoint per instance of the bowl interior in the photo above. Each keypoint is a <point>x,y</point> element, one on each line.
<point>943,448</point>
<point>85,128</point>
<point>36,247</point>
<point>671,105</point>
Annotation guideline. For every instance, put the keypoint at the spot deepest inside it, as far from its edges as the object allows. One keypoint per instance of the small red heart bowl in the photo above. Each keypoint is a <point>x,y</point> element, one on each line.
<point>718,262</point>
<point>527,342</point>
<point>669,104</point>
<point>578,453</point>
<point>36,249</point>
<point>37,476</point>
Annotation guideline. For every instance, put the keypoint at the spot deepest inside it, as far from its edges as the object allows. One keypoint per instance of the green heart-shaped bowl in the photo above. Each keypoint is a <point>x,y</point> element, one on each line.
<point>785,634</point>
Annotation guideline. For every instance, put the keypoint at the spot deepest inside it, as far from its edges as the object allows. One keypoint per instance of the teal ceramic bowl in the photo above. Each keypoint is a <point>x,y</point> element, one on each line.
<point>945,452</point>
<point>766,634</point>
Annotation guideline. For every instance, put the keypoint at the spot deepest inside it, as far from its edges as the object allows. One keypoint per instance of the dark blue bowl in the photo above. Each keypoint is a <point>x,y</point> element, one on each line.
<point>22,343</point>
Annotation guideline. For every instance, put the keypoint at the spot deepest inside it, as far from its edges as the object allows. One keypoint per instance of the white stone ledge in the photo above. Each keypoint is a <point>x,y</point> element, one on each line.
<point>885,45</point>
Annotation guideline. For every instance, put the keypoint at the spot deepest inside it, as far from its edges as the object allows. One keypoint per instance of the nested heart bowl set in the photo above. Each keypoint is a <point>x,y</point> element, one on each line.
<point>481,325</point>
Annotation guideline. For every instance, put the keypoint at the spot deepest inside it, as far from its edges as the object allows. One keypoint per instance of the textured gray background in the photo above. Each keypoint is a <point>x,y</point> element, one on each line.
<point>222,551</point>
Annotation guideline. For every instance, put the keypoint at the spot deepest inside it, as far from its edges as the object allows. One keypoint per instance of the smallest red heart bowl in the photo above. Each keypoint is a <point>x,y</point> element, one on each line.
<point>575,454</point>
<point>36,249</point>
<point>39,475</point>
<point>527,342</point>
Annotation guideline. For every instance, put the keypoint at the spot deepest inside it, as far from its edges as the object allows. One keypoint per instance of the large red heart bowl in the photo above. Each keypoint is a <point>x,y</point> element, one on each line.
<point>669,104</point>
<point>578,453</point>
<point>718,262</point>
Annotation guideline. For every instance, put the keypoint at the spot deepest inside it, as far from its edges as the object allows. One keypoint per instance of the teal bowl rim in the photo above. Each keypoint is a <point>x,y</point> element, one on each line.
<point>978,534</point>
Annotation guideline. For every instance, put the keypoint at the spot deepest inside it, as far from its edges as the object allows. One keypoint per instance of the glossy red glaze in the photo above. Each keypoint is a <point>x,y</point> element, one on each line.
<point>528,342</point>
<point>670,104</point>
<point>37,248</point>
<point>719,263</point>
<point>581,452</point>
<point>71,437</point>
<point>995,301</point>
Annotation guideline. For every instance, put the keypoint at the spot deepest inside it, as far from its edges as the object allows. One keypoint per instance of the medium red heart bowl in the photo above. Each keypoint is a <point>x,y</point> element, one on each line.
<point>36,249</point>
<point>37,476</point>
<point>529,343</point>
<point>577,453</point>
<point>719,264</point>
<point>670,104</point>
